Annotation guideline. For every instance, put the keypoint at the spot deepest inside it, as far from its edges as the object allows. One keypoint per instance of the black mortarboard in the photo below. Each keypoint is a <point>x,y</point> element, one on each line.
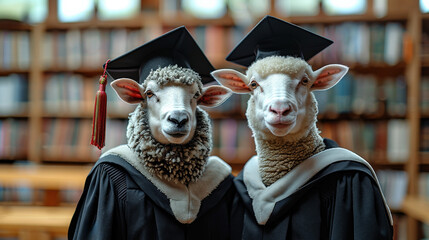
<point>176,47</point>
<point>273,36</point>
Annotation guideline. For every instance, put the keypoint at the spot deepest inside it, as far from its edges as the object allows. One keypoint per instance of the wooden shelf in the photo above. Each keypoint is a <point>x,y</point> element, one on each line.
<point>36,114</point>
<point>325,19</point>
<point>7,24</point>
<point>5,72</point>
<point>136,22</point>
<point>416,207</point>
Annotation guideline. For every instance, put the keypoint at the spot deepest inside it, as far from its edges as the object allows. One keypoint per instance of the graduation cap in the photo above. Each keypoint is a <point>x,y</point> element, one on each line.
<point>275,37</point>
<point>176,47</point>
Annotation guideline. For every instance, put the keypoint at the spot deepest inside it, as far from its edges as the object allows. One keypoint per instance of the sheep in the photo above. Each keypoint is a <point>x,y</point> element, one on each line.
<point>162,184</point>
<point>298,178</point>
<point>282,110</point>
<point>169,133</point>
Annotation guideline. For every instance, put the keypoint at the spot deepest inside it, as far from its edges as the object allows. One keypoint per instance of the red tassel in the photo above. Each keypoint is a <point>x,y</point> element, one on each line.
<point>99,119</point>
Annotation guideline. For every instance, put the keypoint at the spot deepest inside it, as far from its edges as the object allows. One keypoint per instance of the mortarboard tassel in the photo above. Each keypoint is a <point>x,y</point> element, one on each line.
<point>99,119</point>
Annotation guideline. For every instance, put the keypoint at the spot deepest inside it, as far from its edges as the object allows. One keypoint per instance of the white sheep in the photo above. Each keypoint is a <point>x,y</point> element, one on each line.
<point>170,134</point>
<point>282,110</point>
<point>163,184</point>
<point>300,186</point>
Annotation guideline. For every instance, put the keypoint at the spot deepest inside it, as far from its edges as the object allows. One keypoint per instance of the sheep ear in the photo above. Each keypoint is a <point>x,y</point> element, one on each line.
<point>128,90</point>
<point>233,80</point>
<point>214,96</point>
<point>328,76</point>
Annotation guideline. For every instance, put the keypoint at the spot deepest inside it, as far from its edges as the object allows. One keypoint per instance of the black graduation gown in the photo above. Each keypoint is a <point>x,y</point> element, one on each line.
<point>118,202</point>
<point>342,201</point>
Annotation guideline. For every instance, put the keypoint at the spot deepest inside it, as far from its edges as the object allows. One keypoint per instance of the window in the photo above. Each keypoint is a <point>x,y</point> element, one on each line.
<point>83,10</point>
<point>205,9</point>
<point>32,11</point>
<point>424,6</point>
<point>342,7</point>
<point>75,10</point>
<point>298,8</point>
<point>114,9</point>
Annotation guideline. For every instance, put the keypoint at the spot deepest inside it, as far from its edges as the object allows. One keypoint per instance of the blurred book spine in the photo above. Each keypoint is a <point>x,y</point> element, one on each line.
<point>13,94</point>
<point>68,139</point>
<point>378,141</point>
<point>13,139</point>
<point>361,43</point>
<point>15,50</point>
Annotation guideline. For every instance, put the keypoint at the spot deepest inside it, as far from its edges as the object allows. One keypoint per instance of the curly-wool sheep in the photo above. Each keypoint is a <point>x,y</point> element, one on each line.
<point>282,110</point>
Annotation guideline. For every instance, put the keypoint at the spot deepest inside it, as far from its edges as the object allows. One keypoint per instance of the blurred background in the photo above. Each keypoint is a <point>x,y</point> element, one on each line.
<point>51,56</point>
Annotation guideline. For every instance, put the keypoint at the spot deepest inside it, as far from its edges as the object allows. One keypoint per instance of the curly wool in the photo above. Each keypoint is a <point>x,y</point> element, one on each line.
<point>277,64</point>
<point>173,162</point>
<point>174,74</point>
<point>279,156</point>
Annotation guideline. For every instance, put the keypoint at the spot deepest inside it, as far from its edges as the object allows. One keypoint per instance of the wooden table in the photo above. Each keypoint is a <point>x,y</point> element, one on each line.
<point>35,222</point>
<point>49,220</point>
<point>50,179</point>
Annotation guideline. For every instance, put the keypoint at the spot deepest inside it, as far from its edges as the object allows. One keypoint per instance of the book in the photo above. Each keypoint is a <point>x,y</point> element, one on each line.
<point>393,43</point>
<point>73,44</point>
<point>398,140</point>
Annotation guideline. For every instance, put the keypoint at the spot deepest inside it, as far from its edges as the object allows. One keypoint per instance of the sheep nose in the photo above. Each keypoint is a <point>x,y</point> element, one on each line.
<point>179,118</point>
<point>280,110</point>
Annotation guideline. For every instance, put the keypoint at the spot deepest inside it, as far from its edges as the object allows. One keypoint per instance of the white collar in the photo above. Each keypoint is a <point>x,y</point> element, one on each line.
<point>185,201</point>
<point>265,198</point>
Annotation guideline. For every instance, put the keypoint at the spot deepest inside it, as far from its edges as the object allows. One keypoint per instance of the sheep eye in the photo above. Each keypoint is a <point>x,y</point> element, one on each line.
<point>197,95</point>
<point>254,84</point>
<point>305,80</point>
<point>149,93</point>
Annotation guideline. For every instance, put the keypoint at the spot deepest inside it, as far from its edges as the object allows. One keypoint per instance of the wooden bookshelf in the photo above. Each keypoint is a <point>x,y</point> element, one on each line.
<point>411,66</point>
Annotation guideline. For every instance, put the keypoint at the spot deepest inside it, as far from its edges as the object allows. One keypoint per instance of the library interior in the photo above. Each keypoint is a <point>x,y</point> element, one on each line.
<point>51,57</point>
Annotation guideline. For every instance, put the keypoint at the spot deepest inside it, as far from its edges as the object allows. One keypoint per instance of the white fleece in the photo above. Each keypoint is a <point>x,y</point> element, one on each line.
<point>185,201</point>
<point>265,198</point>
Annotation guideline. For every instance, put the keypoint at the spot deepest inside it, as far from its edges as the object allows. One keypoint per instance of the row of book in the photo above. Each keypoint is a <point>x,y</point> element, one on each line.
<point>75,48</point>
<point>24,193</point>
<point>365,95</point>
<point>75,94</point>
<point>69,139</point>
<point>13,139</point>
<point>13,94</point>
<point>361,43</point>
<point>15,50</point>
<point>376,141</point>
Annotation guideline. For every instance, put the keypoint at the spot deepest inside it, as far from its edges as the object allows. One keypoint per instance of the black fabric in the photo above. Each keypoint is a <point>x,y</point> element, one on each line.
<point>275,37</point>
<point>341,202</point>
<point>145,213</point>
<point>176,47</point>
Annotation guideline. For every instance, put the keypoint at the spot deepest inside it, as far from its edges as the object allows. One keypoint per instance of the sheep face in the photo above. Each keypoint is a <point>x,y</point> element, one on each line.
<point>281,88</point>
<point>279,102</point>
<point>171,111</point>
<point>171,105</point>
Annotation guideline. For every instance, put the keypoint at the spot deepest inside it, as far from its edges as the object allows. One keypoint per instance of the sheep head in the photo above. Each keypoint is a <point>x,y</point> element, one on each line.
<point>171,95</point>
<point>282,102</point>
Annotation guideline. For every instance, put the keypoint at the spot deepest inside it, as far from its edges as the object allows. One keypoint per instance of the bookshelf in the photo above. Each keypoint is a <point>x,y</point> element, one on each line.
<point>383,94</point>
